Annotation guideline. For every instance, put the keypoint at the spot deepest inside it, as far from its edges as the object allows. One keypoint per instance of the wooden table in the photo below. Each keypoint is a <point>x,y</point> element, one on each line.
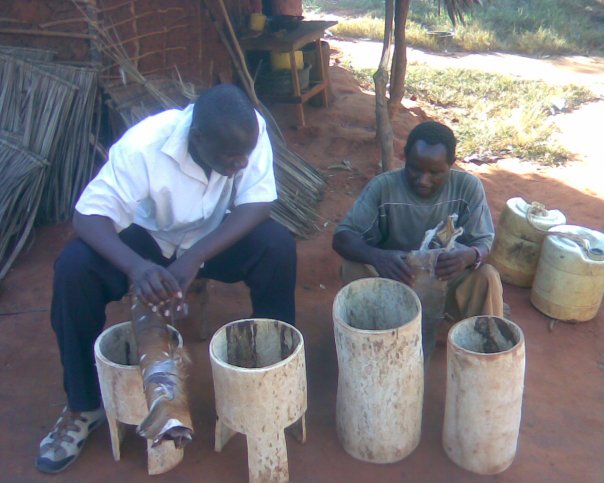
<point>308,31</point>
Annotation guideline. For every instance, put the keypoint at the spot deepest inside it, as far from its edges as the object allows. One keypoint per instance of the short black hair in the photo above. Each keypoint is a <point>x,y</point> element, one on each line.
<point>223,106</point>
<point>432,132</point>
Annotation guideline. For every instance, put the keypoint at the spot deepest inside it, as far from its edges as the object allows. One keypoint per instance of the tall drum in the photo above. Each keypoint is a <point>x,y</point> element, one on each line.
<point>123,395</point>
<point>259,373</point>
<point>377,325</point>
<point>485,383</point>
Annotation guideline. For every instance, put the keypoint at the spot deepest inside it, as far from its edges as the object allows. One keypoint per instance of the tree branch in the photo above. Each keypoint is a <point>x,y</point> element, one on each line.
<point>380,78</point>
<point>399,59</point>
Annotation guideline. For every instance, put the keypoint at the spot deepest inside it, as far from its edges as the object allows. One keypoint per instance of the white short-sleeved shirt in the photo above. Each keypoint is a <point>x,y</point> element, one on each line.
<point>150,179</point>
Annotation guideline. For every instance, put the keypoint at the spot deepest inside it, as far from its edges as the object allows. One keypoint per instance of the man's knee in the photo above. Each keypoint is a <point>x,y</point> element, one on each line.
<point>490,275</point>
<point>278,242</point>
<point>351,271</point>
<point>74,261</point>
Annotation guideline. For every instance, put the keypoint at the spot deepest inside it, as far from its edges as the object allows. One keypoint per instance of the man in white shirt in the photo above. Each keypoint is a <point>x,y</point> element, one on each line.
<point>184,194</point>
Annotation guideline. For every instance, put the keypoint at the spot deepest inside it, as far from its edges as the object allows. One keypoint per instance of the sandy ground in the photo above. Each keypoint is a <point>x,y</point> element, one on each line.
<point>561,437</point>
<point>569,69</point>
<point>578,130</point>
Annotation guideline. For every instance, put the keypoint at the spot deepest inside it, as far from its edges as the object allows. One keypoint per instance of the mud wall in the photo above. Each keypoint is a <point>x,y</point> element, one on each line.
<point>159,36</point>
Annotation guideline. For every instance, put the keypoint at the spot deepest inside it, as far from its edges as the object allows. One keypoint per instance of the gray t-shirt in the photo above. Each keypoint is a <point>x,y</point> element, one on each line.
<point>389,215</point>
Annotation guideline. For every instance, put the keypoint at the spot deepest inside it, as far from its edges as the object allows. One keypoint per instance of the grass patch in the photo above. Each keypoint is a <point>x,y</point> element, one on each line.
<point>529,27</point>
<point>492,113</point>
<point>360,28</point>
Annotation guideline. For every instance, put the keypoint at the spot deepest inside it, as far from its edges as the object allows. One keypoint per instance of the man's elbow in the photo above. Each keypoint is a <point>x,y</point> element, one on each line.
<point>338,242</point>
<point>265,211</point>
<point>76,221</point>
<point>91,225</point>
<point>256,212</point>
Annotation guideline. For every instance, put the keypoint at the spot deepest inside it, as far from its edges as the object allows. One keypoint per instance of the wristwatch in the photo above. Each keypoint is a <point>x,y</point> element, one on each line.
<point>478,262</point>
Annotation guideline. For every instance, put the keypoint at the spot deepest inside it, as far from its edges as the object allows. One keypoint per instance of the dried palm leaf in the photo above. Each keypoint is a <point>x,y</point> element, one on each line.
<point>110,45</point>
<point>33,104</point>
<point>22,174</point>
<point>29,54</point>
<point>72,163</point>
<point>457,8</point>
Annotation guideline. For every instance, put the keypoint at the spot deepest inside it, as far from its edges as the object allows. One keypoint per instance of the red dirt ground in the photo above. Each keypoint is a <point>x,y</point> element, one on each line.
<point>562,431</point>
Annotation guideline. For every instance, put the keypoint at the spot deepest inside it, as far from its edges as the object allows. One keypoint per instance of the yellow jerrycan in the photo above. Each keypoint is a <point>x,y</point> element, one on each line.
<point>569,283</point>
<point>518,237</point>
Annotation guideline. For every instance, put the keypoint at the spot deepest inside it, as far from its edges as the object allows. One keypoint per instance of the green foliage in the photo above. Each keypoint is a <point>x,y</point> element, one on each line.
<point>524,26</point>
<point>347,7</point>
<point>370,28</point>
<point>492,112</point>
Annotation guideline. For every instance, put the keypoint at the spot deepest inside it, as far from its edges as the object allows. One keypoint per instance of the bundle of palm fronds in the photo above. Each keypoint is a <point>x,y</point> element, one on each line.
<point>29,54</point>
<point>22,174</point>
<point>46,113</point>
<point>299,185</point>
<point>72,162</point>
<point>34,104</point>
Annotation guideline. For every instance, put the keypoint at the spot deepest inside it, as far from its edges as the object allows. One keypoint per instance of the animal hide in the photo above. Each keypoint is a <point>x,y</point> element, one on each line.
<point>163,367</point>
<point>430,290</point>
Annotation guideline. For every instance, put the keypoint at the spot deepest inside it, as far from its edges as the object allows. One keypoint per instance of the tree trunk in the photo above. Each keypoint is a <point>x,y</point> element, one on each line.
<point>399,60</point>
<point>380,78</point>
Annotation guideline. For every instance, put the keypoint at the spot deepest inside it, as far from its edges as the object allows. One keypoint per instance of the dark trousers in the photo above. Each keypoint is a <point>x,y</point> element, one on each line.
<point>84,283</point>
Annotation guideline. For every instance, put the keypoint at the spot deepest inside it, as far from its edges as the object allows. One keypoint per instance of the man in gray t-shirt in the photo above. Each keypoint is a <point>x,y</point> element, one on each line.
<point>395,209</point>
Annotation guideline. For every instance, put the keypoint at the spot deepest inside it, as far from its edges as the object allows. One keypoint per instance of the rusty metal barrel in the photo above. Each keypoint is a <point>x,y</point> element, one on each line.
<point>377,326</point>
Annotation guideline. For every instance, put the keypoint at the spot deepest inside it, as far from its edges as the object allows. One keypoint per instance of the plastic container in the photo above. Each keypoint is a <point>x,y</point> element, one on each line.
<point>517,244</point>
<point>569,283</point>
<point>281,60</point>
<point>485,383</point>
<point>257,22</point>
<point>377,326</point>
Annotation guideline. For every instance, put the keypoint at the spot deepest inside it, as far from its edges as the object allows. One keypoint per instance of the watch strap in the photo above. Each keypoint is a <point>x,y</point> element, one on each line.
<point>478,262</point>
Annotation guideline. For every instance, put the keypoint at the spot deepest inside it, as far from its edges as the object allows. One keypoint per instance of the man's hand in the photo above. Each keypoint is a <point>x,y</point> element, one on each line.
<point>452,263</point>
<point>153,284</point>
<point>184,272</point>
<point>391,264</point>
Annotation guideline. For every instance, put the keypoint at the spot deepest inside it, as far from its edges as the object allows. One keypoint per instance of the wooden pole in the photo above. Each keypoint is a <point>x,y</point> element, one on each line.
<point>237,48</point>
<point>399,58</point>
<point>380,78</point>
<point>46,33</point>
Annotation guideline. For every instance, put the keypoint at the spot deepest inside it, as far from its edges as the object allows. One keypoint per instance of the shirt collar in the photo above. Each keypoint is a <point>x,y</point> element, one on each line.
<point>177,147</point>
